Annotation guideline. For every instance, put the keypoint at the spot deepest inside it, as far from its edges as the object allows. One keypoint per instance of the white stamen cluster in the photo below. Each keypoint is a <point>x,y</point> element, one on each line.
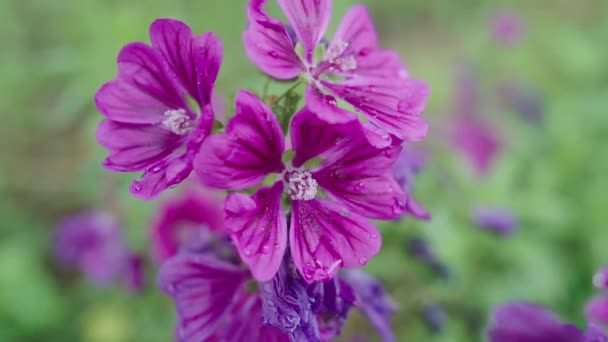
<point>301,187</point>
<point>335,56</point>
<point>178,121</point>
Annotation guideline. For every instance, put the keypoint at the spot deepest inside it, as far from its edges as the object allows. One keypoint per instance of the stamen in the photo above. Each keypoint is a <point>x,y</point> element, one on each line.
<point>178,121</point>
<point>301,187</point>
<point>335,56</point>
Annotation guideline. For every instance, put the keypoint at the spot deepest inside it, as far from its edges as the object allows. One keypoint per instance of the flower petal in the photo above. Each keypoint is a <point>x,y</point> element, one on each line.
<point>374,301</point>
<point>134,147</point>
<point>251,148</point>
<point>202,288</point>
<point>246,322</point>
<point>392,105</point>
<point>161,176</point>
<point>259,229</point>
<point>268,44</point>
<point>309,19</point>
<point>357,31</point>
<point>142,92</point>
<point>325,236</point>
<point>195,61</point>
<point>311,136</point>
<point>358,175</point>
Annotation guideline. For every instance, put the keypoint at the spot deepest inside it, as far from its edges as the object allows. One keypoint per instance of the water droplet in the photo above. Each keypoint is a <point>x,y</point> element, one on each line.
<point>403,106</point>
<point>270,302</point>
<point>154,169</point>
<point>265,249</point>
<point>362,260</point>
<point>359,186</point>
<point>373,236</point>
<point>345,214</point>
<point>273,54</point>
<point>247,252</point>
<point>276,245</point>
<point>137,186</point>
<point>398,207</point>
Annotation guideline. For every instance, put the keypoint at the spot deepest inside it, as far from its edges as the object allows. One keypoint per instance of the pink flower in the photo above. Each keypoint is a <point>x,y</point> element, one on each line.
<point>150,125</point>
<point>330,203</point>
<point>351,67</point>
<point>507,28</point>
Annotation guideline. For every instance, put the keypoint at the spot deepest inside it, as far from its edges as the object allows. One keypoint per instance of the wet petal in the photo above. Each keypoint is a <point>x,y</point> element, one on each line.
<point>392,105</point>
<point>246,322</point>
<point>312,136</point>
<point>358,175</point>
<point>194,61</point>
<point>268,45</point>
<point>309,19</point>
<point>357,31</point>
<point>134,147</point>
<point>202,288</point>
<point>251,148</point>
<point>161,176</point>
<point>325,236</point>
<point>259,229</point>
<point>142,91</point>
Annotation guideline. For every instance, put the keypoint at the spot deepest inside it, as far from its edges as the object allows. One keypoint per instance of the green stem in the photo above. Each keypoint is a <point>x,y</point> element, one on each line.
<point>278,99</point>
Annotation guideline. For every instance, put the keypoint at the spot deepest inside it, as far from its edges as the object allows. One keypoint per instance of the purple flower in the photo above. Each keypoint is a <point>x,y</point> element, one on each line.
<point>335,298</point>
<point>186,223</point>
<point>133,275</point>
<point>287,305</point>
<point>600,279</point>
<point>352,66</point>
<point>507,28</point>
<point>373,301</point>
<point>325,234</point>
<point>596,309</point>
<point>150,125</point>
<point>213,301</point>
<point>408,164</point>
<point>434,317</point>
<point>525,322</point>
<point>93,242</point>
<point>498,220</point>
<point>420,249</point>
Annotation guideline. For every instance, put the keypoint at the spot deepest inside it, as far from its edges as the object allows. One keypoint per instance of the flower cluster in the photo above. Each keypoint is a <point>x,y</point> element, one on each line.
<point>304,180</point>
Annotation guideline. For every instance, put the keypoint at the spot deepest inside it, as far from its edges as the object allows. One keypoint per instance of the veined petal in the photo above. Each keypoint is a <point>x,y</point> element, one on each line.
<point>311,136</point>
<point>357,32</point>
<point>246,322</point>
<point>392,105</point>
<point>203,288</point>
<point>358,175</point>
<point>161,176</point>
<point>268,44</point>
<point>142,92</point>
<point>325,236</point>
<point>135,147</point>
<point>259,229</point>
<point>251,148</point>
<point>309,19</point>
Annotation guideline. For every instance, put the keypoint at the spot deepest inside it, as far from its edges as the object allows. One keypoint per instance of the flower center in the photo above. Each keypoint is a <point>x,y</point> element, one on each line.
<point>301,185</point>
<point>335,56</point>
<point>178,121</point>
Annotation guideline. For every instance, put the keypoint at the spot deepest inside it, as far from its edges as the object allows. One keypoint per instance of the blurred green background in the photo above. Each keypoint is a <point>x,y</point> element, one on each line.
<point>552,175</point>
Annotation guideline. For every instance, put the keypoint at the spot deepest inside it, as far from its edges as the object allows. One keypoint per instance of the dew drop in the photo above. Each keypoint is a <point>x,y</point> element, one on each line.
<point>265,249</point>
<point>359,186</point>
<point>247,252</point>
<point>345,214</point>
<point>373,236</point>
<point>137,186</point>
<point>398,207</point>
<point>362,260</point>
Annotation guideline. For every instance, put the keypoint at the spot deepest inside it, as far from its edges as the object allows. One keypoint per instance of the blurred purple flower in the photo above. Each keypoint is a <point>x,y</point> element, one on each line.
<point>500,221</point>
<point>353,66</point>
<point>421,250</point>
<point>434,317</point>
<point>326,233</point>
<point>409,163</point>
<point>93,242</point>
<point>507,28</point>
<point>523,100</point>
<point>186,223</point>
<point>526,322</point>
<point>600,279</point>
<point>596,309</point>
<point>373,300</point>
<point>149,124</point>
<point>133,274</point>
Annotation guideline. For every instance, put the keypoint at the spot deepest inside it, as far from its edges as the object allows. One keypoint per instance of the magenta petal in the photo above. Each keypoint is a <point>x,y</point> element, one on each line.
<point>268,44</point>
<point>161,176</point>
<point>355,173</point>
<point>259,229</point>
<point>135,147</point>
<point>311,136</point>
<point>326,236</point>
<point>194,61</point>
<point>309,19</point>
<point>142,92</point>
<point>358,31</point>
<point>251,148</point>
<point>416,210</point>
<point>202,288</point>
<point>392,105</point>
<point>326,107</point>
